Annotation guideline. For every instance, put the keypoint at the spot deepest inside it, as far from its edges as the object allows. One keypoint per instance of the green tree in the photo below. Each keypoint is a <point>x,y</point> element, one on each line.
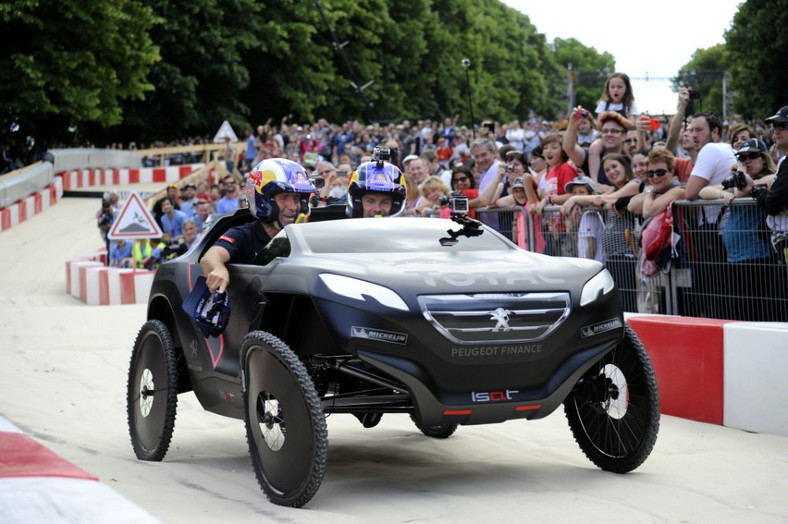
<point>71,63</point>
<point>149,70</point>
<point>757,44</point>
<point>202,72</point>
<point>704,73</point>
<point>289,71</point>
<point>590,69</point>
<point>508,59</point>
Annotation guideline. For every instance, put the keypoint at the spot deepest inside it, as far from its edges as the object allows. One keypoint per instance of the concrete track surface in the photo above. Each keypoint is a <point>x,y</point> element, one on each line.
<point>63,381</point>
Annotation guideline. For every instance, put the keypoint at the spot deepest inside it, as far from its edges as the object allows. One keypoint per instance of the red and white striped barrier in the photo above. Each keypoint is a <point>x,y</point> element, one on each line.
<point>28,207</point>
<point>718,371</point>
<point>38,485</point>
<point>122,177</point>
<point>89,280</point>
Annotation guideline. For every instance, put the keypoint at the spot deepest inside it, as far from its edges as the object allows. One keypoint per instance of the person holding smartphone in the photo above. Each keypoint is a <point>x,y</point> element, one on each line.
<point>338,186</point>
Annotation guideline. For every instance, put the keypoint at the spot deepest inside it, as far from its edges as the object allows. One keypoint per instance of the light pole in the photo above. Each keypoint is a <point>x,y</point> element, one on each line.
<point>466,64</point>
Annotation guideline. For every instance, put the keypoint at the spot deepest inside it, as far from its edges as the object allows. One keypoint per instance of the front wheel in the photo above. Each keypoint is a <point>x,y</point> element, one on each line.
<point>285,425</point>
<point>613,410</point>
<point>152,392</point>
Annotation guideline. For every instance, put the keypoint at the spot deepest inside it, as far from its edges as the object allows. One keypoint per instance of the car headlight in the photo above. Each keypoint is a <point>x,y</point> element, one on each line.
<point>601,284</point>
<point>362,290</point>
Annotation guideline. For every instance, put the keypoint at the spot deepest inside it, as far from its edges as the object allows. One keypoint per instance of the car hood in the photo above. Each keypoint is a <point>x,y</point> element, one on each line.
<point>460,272</point>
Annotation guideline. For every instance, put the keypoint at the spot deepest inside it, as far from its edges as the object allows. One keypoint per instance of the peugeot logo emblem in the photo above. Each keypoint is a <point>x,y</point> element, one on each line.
<point>501,316</point>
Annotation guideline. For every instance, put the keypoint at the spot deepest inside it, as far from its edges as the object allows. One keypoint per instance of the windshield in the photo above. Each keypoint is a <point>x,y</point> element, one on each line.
<point>391,235</point>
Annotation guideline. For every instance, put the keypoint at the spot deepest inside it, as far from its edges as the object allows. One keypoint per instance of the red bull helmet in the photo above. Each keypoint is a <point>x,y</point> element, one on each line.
<point>376,177</point>
<point>271,177</point>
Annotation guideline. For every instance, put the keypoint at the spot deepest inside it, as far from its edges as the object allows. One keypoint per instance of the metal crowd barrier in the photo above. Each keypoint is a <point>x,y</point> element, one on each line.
<point>723,267</point>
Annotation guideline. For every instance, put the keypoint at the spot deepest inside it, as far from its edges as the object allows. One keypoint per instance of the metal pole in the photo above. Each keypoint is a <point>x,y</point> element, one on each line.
<point>466,64</point>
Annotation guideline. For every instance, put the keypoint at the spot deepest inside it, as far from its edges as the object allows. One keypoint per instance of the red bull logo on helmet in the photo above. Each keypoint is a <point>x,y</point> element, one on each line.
<point>301,182</point>
<point>379,181</point>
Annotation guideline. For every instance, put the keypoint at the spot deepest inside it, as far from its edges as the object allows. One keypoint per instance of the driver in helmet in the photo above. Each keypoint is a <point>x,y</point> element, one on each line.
<point>376,189</point>
<point>278,191</point>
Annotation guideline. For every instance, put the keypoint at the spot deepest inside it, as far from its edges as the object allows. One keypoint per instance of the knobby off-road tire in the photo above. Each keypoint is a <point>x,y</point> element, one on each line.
<point>614,409</point>
<point>285,424</point>
<point>152,393</point>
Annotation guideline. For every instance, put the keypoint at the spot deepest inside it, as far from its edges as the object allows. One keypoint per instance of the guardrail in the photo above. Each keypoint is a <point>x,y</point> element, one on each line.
<point>205,152</point>
<point>701,281</point>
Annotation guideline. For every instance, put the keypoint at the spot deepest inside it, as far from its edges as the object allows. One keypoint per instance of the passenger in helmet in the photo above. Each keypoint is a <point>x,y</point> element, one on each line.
<point>376,189</point>
<point>278,191</point>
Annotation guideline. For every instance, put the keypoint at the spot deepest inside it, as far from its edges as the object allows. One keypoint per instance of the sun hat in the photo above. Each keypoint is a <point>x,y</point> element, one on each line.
<point>580,181</point>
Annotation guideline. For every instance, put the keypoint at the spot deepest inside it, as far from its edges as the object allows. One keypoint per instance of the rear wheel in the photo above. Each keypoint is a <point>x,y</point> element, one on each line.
<point>285,425</point>
<point>613,410</point>
<point>152,393</point>
<point>436,431</point>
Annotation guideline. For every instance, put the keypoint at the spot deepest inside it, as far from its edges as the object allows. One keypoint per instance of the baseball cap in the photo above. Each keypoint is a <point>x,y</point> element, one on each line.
<point>753,145</point>
<point>781,116</point>
<point>581,180</point>
<point>408,158</point>
<point>518,182</point>
<point>615,116</point>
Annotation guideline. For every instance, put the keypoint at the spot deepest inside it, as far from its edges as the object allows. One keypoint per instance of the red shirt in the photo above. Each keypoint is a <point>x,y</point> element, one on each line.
<point>683,169</point>
<point>471,194</point>
<point>444,153</point>
<point>557,178</point>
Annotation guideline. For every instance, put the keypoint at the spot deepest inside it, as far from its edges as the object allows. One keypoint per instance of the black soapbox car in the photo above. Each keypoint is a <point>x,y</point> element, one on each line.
<point>445,321</point>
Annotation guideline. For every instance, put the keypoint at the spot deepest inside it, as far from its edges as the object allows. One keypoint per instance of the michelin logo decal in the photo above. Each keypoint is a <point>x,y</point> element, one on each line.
<point>596,329</point>
<point>379,335</point>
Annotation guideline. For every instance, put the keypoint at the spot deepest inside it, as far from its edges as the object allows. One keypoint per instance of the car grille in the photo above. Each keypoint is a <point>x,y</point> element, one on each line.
<point>496,317</point>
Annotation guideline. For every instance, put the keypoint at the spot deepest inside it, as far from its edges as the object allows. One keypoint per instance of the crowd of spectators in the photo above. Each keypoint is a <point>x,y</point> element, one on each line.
<point>589,182</point>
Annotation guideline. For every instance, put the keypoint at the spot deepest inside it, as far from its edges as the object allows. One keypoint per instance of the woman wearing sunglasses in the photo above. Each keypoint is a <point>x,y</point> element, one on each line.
<point>749,279</point>
<point>662,188</point>
<point>462,180</point>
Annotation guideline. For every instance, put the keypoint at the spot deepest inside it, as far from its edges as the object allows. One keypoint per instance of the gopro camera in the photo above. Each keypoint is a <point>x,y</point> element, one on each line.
<point>381,154</point>
<point>456,202</point>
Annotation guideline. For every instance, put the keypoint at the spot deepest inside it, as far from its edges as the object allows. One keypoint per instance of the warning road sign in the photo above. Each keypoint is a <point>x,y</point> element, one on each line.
<point>134,221</point>
<point>225,132</point>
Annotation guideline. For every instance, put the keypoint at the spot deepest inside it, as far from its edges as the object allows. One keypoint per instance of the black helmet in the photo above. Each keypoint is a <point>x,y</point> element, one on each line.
<point>376,177</point>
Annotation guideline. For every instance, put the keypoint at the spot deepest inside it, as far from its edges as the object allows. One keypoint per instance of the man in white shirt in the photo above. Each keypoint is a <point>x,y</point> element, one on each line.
<point>515,135</point>
<point>713,165</point>
<point>715,158</point>
<point>483,151</point>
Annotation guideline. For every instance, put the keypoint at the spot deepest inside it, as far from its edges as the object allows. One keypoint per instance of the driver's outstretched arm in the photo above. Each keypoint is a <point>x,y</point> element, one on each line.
<point>214,267</point>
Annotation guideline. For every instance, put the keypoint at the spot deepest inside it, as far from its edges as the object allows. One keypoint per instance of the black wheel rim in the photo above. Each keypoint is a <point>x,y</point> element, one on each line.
<point>283,435</point>
<point>613,402</point>
<point>150,392</point>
